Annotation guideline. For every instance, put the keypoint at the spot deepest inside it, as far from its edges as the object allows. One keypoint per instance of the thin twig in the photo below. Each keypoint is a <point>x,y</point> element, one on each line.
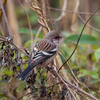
<point>84,97</point>
<point>80,90</point>
<point>2,37</point>
<point>92,27</point>
<point>70,69</point>
<point>20,49</point>
<point>24,95</point>
<point>49,13</point>
<point>10,96</point>
<point>37,34</point>
<point>64,81</point>
<point>76,80</point>
<point>75,18</point>
<point>29,23</point>
<point>62,13</point>
<point>10,34</point>
<point>57,75</point>
<point>79,38</point>
<point>5,17</point>
<point>81,13</point>
<point>12,43</point>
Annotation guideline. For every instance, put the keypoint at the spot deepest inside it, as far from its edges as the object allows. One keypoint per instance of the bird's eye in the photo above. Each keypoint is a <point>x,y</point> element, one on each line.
<point>57,37</point>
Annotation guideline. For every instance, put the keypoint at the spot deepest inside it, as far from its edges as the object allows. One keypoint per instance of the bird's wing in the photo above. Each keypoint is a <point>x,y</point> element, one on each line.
<point>45,45</point>
<point>43,51</point>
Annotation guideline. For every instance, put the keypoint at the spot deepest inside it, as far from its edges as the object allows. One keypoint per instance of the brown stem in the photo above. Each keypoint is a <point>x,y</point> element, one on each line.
<point>64,81</point>
<point>49,13</point>
<point>79,38</point>
<point>75,12</point>
<point>5,17</point>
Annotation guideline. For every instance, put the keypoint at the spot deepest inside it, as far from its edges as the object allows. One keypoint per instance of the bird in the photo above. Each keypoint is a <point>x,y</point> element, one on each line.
<point>43,53</point>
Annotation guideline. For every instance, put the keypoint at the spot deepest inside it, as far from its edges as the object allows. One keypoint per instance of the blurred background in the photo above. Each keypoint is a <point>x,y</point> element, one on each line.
<point>67,17</point>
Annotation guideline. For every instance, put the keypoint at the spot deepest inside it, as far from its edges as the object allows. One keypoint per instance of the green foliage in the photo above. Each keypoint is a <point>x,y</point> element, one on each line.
<point>81,59</point>
<point>28,44</point>
<point>25,98</point>
<point>79,62</point>
<point>2,95</point>
<point>97,54</point>
<point>27,31</point>
<point>85,39</point>
<point>21,87</point>
<point>6,71</point>
<point>84,72</point>
<point>33,18</point>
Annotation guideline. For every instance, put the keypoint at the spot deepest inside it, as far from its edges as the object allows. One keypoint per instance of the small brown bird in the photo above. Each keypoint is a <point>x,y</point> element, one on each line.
<point>44,52</point>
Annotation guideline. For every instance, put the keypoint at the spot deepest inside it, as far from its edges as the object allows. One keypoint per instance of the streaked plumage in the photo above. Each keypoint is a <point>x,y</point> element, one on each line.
<point>43,53</point>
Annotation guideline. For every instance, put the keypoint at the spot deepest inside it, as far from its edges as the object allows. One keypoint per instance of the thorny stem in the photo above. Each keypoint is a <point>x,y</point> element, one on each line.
<point>78,39</point>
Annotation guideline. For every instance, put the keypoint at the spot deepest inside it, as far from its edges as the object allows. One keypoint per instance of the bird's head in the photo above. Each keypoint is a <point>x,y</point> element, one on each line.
<point>53,36</point>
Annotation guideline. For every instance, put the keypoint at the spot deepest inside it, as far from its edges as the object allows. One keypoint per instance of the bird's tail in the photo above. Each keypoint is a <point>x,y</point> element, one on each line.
<point>25,73</point>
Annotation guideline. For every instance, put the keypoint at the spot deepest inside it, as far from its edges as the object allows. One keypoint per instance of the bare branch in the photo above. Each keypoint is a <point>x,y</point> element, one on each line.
<point>62,13</point>
<point>10,96</point>
<point>5,17</point>
<point>79,38</point>
<point>57,75</point>
<point>92,27</point>
<point>68,11</point>
<point>64,81</point>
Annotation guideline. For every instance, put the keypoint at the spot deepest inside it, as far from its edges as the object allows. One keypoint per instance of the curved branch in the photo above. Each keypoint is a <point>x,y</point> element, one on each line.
<point>79,38</point>
<point>89,24</point>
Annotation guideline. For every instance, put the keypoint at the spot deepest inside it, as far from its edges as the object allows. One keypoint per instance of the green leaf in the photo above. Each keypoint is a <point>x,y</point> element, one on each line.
<point>45,76</point>
<point>25,98</point>
<point>85,72</point>
<point>3,82</point>
<point>26,31</point>
<point>85,39</point>
<point>49,90</point>
<point>21,87</point>
<point>6,71</point>
<point>97,54</point>
<point>3,95</point>
<point>33,18</point>
<point>27,44</point>
<point>94,81</point>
